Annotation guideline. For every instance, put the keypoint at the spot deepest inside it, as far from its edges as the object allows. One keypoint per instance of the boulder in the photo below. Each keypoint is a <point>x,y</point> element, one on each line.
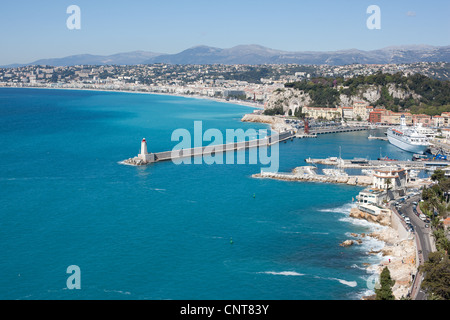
<point>347,243</point>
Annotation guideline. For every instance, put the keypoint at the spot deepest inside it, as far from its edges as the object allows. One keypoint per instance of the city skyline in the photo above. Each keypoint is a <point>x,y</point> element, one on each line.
<point>38,30</point>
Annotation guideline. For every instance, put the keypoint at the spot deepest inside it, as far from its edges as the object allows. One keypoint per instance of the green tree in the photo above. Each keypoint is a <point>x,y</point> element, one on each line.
<point>388,183</point>
<point>386,284</point>
<point>437,275</point>
<point>438,175</point>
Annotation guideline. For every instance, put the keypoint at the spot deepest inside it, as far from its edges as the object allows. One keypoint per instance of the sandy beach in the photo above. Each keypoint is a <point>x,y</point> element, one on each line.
<point>235,102</point>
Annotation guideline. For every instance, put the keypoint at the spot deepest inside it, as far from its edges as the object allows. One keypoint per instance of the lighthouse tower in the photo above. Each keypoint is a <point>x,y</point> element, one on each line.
<point>144,155</point>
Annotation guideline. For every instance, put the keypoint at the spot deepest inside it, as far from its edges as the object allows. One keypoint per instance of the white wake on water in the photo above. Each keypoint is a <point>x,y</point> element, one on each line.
<point>342,209</point>
<point>284,273</point>
<point>347,283</point>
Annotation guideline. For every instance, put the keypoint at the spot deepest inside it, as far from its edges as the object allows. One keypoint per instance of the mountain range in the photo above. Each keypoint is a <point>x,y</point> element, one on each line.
<point>256,54</point>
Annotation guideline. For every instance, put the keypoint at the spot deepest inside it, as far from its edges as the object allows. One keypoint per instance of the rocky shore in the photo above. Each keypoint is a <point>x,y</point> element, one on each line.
<point>277,124</point>
<point>398,254</point>
<point>136,161</point>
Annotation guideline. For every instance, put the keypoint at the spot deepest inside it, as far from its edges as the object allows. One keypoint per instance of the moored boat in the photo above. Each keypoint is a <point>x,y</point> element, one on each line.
<point>408,138</point>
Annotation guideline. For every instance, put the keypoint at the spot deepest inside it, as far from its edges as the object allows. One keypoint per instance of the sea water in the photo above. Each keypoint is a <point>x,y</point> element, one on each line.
<point>166,231</point>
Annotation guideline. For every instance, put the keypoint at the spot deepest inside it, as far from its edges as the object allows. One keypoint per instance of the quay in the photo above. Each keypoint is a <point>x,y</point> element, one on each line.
<point>312,132</point>
<point>370,164</point>
<point>145,157</point>
<point>377,138</point>
<point>328,130</point>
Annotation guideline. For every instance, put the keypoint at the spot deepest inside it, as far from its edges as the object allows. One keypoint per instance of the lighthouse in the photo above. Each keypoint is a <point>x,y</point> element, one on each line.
<point>144,155</point>
<point>144,147</point>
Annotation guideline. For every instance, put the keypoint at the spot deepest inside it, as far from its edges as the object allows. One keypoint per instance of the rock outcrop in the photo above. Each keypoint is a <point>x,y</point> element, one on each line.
<point>288,99</point>
<point>347,243</point>
<point>384,218</point>
<point>276,123</point>
<point>136,161</point>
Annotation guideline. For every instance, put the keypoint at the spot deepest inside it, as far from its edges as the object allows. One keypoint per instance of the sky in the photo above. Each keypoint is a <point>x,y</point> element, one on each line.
<point>32,30</point>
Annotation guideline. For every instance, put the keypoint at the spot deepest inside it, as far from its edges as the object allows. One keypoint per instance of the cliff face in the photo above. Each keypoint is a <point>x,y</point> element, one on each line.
<point>289,98</point>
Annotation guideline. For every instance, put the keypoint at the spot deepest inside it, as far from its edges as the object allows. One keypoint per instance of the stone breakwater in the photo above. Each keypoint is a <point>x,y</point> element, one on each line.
<point>307,174</point>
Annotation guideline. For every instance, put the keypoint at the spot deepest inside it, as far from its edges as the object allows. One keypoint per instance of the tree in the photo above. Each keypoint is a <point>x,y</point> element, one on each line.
<point>438,175</point>
<point>386,284</point>
<point>299,114</point>
<point>437,275</point>
<point>388,183</point>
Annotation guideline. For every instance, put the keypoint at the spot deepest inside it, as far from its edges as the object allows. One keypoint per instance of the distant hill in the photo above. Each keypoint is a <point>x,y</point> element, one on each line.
<point>255,54</point>
<point>127,58</point>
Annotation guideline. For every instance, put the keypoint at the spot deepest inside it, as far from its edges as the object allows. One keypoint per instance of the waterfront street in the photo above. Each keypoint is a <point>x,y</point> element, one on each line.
<point>424,239</point>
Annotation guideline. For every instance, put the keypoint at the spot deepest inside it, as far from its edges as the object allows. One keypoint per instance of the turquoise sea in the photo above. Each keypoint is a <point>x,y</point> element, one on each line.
<point>164,231</point>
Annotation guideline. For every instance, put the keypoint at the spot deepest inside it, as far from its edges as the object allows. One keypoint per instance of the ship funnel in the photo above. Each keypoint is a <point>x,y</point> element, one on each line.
<point>403,120</point>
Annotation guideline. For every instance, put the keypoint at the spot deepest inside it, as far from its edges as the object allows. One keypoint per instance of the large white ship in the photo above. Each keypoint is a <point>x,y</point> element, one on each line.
<point>407,138</point>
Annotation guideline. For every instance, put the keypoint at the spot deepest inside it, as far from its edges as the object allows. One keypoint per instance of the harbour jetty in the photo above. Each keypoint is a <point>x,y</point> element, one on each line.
<point>337,129</point>
<point>308,174</point>
<point>145,157</point>
<point>377,138</point>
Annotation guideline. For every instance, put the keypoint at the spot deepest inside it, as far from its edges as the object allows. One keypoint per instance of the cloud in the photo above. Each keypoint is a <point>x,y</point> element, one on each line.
<point>411,14</point>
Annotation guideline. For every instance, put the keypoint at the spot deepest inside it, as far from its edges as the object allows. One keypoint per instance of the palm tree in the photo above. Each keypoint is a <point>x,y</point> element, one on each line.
<point>388,183</point>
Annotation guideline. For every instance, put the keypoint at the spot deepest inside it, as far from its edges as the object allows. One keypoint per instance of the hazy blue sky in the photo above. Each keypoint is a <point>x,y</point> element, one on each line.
<point>35,29</point>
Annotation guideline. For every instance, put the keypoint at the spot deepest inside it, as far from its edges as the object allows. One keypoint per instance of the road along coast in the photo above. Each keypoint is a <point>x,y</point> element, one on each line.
<point>398,253</point>
<point>399,250</point>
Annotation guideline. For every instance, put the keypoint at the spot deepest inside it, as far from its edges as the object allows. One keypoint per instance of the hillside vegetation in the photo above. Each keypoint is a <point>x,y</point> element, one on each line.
<point>416,93</point>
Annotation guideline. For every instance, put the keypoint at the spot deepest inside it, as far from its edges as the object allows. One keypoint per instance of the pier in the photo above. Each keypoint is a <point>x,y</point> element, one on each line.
<point>377,138</point>
<point>328,130</point>
<point>145,157</point>
<point>308,174</point>
<point>370,164</point>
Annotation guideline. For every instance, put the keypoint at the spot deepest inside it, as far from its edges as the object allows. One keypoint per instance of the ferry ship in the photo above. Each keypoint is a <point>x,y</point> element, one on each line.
<point>407,138</point>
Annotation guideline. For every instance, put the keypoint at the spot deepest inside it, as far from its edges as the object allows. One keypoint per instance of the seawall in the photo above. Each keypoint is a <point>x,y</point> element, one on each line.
<point>306,174</point>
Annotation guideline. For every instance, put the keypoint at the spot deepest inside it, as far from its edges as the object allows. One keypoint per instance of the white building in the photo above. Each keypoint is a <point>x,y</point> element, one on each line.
<point>389,179</point>
<point>373,209</point>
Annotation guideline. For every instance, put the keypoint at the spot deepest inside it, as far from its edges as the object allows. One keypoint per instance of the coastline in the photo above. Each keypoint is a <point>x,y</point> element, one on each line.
<point>389,237</point>
<point>235,102</point>
<point>397,253</point>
